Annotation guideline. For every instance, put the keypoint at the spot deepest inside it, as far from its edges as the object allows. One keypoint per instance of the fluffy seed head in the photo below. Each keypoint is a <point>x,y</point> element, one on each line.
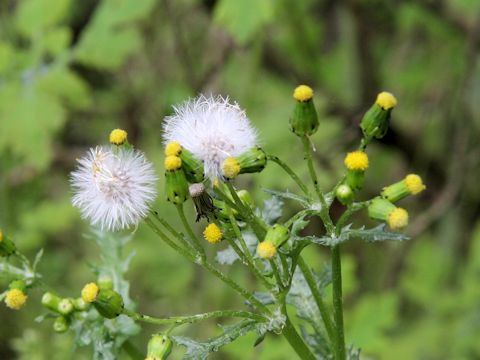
<point>113,189</point>
<point>90,292</point>
<point>212,129</point>
<point>398,219</point>
<point>118,137</point>
<point>212,233</point>
<point>414,184</point>
<point>196,190</point>
<point>356,160</point>
<point>172,162</point>
<point>386,100</point>
<point>173,148</point>
<point>15,299</point>
<point>303,93</point>
<point>266,249</point>
<point>230,167</point>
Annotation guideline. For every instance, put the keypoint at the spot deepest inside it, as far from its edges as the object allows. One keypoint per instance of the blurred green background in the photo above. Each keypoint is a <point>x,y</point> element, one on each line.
<point>71,70</point>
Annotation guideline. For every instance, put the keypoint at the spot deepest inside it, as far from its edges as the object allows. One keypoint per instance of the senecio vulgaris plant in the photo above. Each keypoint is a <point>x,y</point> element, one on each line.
<point>208,143</point>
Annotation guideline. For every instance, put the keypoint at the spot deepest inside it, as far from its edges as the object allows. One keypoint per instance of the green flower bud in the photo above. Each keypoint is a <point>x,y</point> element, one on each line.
<point>80,305</point>
<point>7,246</point>
<point>344,194</point>
<point>304,120</point>
<point>376,120</point>
<point>109,303</point>
<point>159,347</point>
<point>61,324</point>
<point>57,304</point>
<point>192,166</point>
<point>18,284</point>
<point>411,185</point>
<point>246,198</point>
<point>277,235</point>
<point>384,210</point>
<point>175,180</point>
<point>105,282</point>
<point>252,161</point>
<point>355,179</point>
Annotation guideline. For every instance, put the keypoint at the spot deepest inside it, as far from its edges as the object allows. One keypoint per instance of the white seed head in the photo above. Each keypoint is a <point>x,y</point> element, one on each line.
<point>212,129</point>
<point>196,189</point>
<point>113,188</point>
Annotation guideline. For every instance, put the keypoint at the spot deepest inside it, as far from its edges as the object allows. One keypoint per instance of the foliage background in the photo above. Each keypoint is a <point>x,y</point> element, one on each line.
<point>72,70</point>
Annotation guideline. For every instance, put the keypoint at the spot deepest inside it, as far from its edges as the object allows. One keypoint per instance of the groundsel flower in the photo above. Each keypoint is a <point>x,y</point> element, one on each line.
<point>212,129</point>
<point>113,187</point>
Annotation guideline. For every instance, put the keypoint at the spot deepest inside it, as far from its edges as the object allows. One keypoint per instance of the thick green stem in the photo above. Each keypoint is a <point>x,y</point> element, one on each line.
<point>295,341</point>
<point>191,234</point>
<point>178,320</point>
<point>337,303</point>
<point>290,172</point>
<point>327,321</point>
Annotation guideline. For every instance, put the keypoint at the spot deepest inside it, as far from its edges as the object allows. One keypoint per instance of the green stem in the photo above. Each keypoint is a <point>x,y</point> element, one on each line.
<point>324,210</point>
<point>174,232</point>
<point>327,321</point>
<point>295,341</point>
<point>196,243</point>
<point>178,320</point>
<point>337,303</point>
<point>209,267</point>
<point>290,172</point>
<point>246,252</point>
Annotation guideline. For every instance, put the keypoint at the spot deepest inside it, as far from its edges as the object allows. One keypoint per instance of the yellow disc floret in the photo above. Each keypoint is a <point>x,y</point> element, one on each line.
<point>356,160</point>
<point>173,163</point>
<point>231,167</point>
<point>90,292</point>
<point>15,299</point>
<point>118,137</point>
<point>414,184</point>
<point>303,93</point>
<point>386,100</point>
<point>173,149</point>
<point>398,219</point>
<point>266,250</point>
<point>212,233</point>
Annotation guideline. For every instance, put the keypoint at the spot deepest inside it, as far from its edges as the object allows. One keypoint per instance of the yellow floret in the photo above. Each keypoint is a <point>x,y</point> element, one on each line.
<point>212,233</point>
<point>398,219</point>
<point>173,163</point>
<point>15,299</point>
<point>90,292</point>
<point>266,250</point>
<point>386,100</point>
<point>303,93</point>
<point>173,148</point>
<point>118,137</point>
<point>414,184</point>
<point>231,167</point>
<point>356,160</point>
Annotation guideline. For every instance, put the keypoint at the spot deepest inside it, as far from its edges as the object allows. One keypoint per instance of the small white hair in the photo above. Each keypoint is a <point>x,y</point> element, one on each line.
<point>113,187</point>
<point>212,129</point>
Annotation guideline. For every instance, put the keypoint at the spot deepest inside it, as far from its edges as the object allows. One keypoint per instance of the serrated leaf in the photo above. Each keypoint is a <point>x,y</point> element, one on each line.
<point>227,256</point>
<point>375,234</point>
<point>201,350</point>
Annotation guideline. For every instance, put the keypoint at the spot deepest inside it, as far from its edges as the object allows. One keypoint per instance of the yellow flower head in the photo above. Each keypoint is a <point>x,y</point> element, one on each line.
<point>173,149</point>
<point>118,137</point>
<point>266,249</point>
<point>386,100</point>
<point>414,184</point>
<point>303,93</point>
<point>212,233</point>
<point>231,167</point>
<point>90,292</point>
<point>15,299</point>
<point>356,160</point>
<point>173,162</point>
<point>398,219</point>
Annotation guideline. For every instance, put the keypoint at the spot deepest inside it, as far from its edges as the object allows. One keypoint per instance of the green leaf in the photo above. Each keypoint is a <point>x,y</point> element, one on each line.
<point>288,196</point>
<point>201,350</point>
<point>375,234</point>
<point>244,19</point>
<point>33,18</point>
<point>272,210</point>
